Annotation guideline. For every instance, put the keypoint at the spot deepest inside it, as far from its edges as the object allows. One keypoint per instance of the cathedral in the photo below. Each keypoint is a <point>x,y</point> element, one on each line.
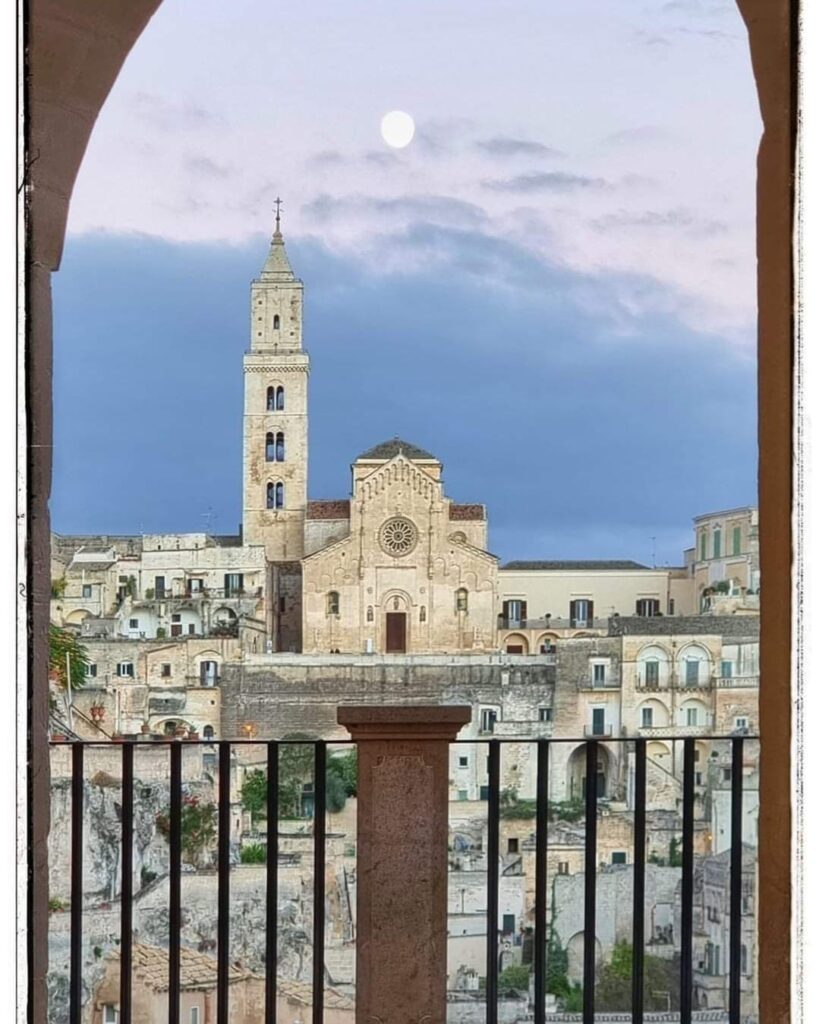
<point>395,568</point>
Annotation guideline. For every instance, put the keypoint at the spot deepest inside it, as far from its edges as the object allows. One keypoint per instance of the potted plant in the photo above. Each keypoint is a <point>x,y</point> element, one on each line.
<point>97,712</point>
<point>117,737</point>
<point>193,735</point>
<point>145,729</point>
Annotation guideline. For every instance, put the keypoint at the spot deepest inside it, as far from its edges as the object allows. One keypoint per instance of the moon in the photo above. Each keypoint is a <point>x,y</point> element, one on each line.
<point>397,129</point>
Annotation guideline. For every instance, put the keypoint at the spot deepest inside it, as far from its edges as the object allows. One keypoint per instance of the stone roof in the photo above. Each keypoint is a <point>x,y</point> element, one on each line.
<point>608,565</point>
<point>463,512</point>
<point>389,449</point>
<point>92,566</point>
<point>196,970</point>
<point>329,508</point>
<point>739,626</point>
<point>301,992</point>
<point>277,265</point>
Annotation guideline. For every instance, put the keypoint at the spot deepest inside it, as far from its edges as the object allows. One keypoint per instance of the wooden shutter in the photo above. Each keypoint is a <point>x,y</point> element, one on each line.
<point>522,611</point>
<point>572,612</point>
<point>591,613</point>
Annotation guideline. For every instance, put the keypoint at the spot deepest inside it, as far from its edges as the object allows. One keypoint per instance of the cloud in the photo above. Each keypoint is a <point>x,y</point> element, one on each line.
<point>639,135</point>
<point>204,167</point>
<point>504,146</point>
<point>171,116</point>
<point>708,33</point>
<point>653,40</point>
<point>381,158</point>
<point>446,209</point>
<point>326,158</point>
<point>676,218</point>
<point>425,355</point>
<point>546,181</point>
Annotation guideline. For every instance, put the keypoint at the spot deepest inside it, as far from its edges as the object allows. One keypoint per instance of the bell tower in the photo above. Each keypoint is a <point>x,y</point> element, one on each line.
<point>276,369</point>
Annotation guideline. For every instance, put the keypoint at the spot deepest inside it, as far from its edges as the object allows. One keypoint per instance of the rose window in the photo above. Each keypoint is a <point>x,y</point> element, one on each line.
<point>398,536</point>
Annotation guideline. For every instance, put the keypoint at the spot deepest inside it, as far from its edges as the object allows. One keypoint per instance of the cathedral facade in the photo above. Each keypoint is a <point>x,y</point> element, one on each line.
<point>395,568</point>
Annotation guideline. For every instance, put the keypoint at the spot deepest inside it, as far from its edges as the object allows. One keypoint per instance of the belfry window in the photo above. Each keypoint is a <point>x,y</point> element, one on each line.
<point>276,322</point>
<point>275,398</point>
<point>275,495</point>
<point>461,600</point>
<point>333,603</point>
<point>370,615</point>
<point>271,399</point>
<point>274,447</point>
<point>279,398</point>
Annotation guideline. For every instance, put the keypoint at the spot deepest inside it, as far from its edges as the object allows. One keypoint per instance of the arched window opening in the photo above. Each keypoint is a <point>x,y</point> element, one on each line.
<point>279,397</point>
<point>461,600</point>
<point>276,322</point>
<point>270,448</point>
<point>280,447</point>
<point>333,603</point>
<point>422,615</point>
<point>271,495</point>
<point>370,615</point>
<point>207,732</point>
<point>271,399</point>
<point>280,495</point>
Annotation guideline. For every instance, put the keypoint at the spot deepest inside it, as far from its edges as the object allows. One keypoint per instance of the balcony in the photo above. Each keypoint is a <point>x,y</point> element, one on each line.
<point>738,682</point>
<point>598,732</point>
<point>400,871</point>
<point>551,623</point>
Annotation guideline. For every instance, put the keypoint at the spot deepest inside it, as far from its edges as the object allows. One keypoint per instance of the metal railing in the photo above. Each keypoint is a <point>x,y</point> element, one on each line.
<point>591,804</point>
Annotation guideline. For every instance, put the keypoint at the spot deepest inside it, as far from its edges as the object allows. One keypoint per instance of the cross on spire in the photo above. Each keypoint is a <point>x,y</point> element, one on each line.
<point>278,204</point>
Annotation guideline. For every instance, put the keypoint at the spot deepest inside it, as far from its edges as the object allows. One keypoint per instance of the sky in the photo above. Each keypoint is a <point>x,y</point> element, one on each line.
<point>552,287</point>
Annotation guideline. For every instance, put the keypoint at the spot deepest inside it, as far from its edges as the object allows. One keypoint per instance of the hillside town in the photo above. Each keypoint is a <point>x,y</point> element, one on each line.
<point>390,595</point>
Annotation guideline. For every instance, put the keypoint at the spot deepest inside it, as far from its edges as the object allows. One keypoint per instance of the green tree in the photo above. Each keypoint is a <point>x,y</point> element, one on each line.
<point>253,853</point>
<point>346,767</point>
<point>254,792</point>
<point>514,978</point>
<point>335,793</point>
<point>296,767</point>
<point>64,648</point>
<point>198,827</point>
<point>660,982</point>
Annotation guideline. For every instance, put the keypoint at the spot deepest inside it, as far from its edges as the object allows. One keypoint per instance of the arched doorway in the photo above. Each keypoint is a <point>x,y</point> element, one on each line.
<point>396,624</point>
<point>576,773</point>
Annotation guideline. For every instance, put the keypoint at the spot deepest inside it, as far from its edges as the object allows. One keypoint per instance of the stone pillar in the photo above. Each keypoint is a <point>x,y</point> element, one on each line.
<point>403,792</point>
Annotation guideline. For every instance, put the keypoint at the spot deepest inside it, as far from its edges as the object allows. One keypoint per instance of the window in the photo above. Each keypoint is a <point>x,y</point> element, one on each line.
<point>514,612</point>
<point>488,718</point>
<point>271,399</point>
<point>726,669</point>
<point>90,670</point>
<point>736,540</point>
<point>648,606</point>
<point>159,586</point>
<point>191,629</point>
<point>598,721</point>
<point>692,671</point>
<point>234,583</point>
<point>508,924</point>
<point>726,774</point>
<point>270,447</point>
<point>618,856</point>
<point>463,794</point>
<point>652,672</point>
<point>691,717</point>
<point>461,600</point>
<point>110,1014</point>
<point>86,590</point>
<point>599,675</point>
<point>544,714</point>
<point>422,614</point>
<point>463,762</point>
<point>646,718</point>
<point>671,606</point>
<point>333,603</point>
<point>581,613</point>
<point>194,587</point>
<point>276,325</point>
<point>176,617</point>
<point>165,671</point>
<point>207,732</point>
<point>512,845</point>
<point>208,673</point>
<point>743,959</point>
<point>279,398</point>
<point>195,1009</point>
<point>563,867</point>
<point>703,542</point>
<point>275,495</point>
<point>483,793</point>
<point>125,668</point>
<point>741,723</point>
<point>717,543</point>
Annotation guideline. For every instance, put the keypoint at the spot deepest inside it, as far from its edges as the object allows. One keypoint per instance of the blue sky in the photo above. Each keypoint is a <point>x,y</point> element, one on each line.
<point>551,288</point>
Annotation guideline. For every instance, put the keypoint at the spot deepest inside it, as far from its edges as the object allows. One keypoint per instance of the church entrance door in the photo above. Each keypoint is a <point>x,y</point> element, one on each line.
<point>396,632</point>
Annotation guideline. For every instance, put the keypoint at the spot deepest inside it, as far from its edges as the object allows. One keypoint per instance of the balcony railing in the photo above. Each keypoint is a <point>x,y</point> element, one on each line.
<point>598,731</point>
<point>392,869</point>
<point>551,623</point>
<point>739,682</point>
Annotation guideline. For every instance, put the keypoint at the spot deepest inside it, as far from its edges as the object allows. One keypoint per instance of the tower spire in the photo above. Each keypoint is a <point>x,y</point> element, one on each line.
<point>278,204</point>
<point>277,266</point>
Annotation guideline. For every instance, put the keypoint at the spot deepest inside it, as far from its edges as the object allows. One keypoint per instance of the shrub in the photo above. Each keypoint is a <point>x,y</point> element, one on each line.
<point>514,978</point>
<point>146,876</point>
<point>198,827</point>
<point>55,903</point>
<point>253,853</point>
<point>346,767</point>
<point>254,791</point>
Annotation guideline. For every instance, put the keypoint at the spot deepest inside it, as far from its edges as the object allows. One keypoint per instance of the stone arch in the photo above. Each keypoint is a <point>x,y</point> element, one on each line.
<point>546,640</point>
<point>575,949</point>
<point>660,718</point>
<point>76,617</point>
<point>659,753</point>
<point>700,716</point>
<point>576,772</point>
<point>516,640</point>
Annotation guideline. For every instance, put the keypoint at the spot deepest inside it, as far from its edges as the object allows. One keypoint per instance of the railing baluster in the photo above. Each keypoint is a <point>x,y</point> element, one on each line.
<point>174,882</point>
<point>319,839</point>
<point>272,897</point>
<point>687,909</point>
<point>735,939</point>
<point>127,886</point>
<point>223,907</point>
<point>639,889</point>
<point>541,855</point>
<point>77,789</point>
<point>590,903</point>
<point>493,857</point>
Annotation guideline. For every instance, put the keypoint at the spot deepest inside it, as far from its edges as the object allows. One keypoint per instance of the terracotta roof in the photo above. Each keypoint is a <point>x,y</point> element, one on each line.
<point>467,511</point>
<point>196,970</point>
<point>389,449</point>
<point>329,508</point>
<point>611,566</point>
<point>301,992</point>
